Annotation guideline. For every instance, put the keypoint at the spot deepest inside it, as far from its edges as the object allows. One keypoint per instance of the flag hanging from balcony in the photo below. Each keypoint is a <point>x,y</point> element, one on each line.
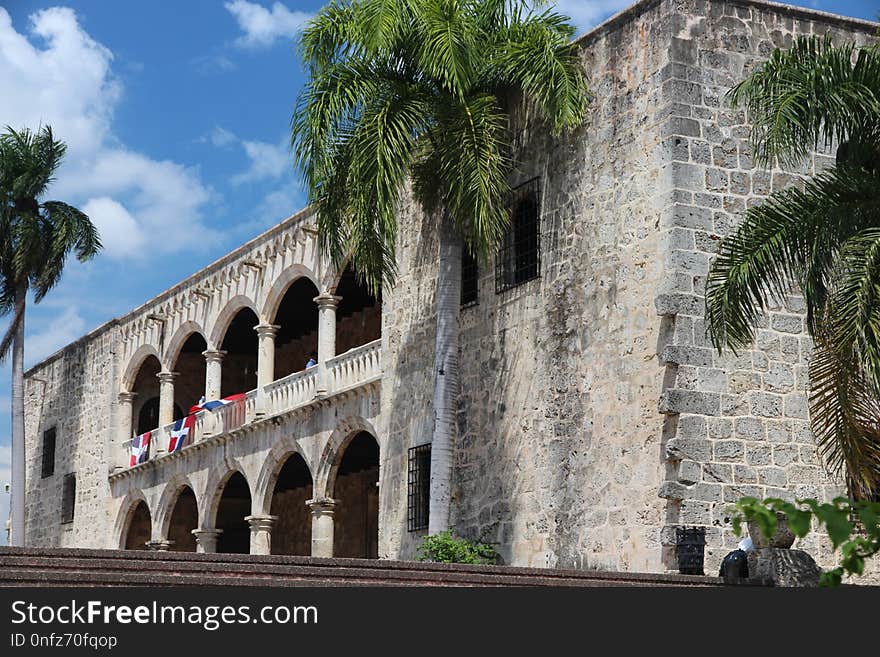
<point>140,449</point>
<point>180,433</point>
<point>214,404</point>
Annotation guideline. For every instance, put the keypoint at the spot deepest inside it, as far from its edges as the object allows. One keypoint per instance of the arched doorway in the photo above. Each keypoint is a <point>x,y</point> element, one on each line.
<point>292,532</point>
<point>189,386</point>
<point>145,409</point>
<point>239,372</point>
<point>356,526</point>
<point>184,518</point>
<point>297,337</point>
<point>234,507</point>
<point>359,315</point>
<point>140,528</point>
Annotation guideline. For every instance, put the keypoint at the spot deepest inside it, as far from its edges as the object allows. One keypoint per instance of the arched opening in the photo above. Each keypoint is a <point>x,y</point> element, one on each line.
<point>184,518</point>
<point>239,372</point>
<point>359,315</point>
<point>234,507</point>
<point>145,409</point>
<point>292,533</point>
<point>356,526</point>
<point>297,337</point>
<point>140,527</point>
<point>189,386</point>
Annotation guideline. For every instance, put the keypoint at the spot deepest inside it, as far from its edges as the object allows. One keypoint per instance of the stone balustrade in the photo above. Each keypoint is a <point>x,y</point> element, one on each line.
<point>356,367</point>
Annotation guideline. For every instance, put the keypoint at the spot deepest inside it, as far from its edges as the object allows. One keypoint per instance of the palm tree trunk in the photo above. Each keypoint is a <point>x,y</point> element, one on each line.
<point>18,451</point>
<point>446,376</point>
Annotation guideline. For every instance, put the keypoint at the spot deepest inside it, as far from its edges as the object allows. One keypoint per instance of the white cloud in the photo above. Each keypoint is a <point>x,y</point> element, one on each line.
<point>66,80</point>
<point>60,331</point>
<point>261,26</point>
<point>585,14</point>
<point>220,137</point>
<point>120,232</point>
<point>267,161</point>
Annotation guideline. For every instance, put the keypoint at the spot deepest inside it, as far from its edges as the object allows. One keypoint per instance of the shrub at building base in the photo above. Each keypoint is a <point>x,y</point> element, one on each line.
<point>445,548</point>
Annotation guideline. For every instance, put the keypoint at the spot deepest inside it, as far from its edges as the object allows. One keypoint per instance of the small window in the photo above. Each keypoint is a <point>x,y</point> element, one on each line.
<point>419,487</point>
<point>519,259</point>
<point>48,465</point>
<point>68,498</point>
<point>469,277</point>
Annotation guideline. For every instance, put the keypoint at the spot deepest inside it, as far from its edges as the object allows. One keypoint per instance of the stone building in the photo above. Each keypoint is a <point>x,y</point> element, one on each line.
<point>595,418</point>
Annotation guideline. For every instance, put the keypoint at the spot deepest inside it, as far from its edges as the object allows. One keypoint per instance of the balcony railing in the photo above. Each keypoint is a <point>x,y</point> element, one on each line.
<point>354,368</point>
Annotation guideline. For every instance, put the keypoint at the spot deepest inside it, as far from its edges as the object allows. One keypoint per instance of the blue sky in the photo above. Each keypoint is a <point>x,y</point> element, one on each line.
<point>176,115</point>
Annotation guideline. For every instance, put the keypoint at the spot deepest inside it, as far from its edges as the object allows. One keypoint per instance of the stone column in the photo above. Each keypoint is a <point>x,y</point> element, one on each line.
<point>322,526</point>
<point>161,545</point>
<point>327,304</point>
<point>166,407</point>
<point>124,431</point>
<point>265,361</point>
<point>213,372</point>
<point>206,540</point>
<point>261,533</point>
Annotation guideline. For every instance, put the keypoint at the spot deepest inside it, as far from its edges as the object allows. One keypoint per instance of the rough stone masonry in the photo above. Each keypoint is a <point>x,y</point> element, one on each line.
<point>595,417</point>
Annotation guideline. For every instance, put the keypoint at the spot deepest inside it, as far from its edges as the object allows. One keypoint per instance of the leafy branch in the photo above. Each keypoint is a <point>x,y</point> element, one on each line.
<point>837,516</point>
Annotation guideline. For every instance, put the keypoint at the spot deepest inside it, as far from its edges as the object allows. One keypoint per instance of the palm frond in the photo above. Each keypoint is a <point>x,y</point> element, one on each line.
<point>813,94</point>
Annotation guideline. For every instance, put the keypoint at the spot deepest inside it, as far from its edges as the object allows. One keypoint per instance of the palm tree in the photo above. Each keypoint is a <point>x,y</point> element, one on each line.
<point>822,237</point>
<point>422,91</point>
<point>35,240</point>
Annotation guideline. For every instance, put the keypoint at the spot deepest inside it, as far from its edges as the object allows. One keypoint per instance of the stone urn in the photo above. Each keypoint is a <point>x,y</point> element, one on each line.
<point>783,538</point>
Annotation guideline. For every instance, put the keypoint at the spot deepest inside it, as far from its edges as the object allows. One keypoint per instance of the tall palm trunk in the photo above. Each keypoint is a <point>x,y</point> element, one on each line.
<point>18,451</point>
<point>446,375</point>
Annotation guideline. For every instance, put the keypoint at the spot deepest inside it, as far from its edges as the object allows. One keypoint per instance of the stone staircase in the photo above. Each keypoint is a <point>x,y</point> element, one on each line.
<point>76,567</point>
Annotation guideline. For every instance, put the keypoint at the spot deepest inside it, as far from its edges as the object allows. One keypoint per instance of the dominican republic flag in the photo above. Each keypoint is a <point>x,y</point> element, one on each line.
<point>140,449</point>
<point>214,404</point>
<point>180,432</point>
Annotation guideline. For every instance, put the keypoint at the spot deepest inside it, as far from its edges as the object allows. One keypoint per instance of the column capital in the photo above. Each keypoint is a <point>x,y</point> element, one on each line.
<point>266,330</point>
<point>327,300</point>
<point>214,355</point>
<point>167,377</point>
<point>126,397</point>
<point>322,506</point>
<point>261,523</point>
<point>161,545</point>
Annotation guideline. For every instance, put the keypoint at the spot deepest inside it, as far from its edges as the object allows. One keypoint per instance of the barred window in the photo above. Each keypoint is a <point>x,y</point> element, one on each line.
<point>419,487</point>
<point>469,277</point>
<point>519,259</point>
<point>68,497</point>
<point>47,468</point>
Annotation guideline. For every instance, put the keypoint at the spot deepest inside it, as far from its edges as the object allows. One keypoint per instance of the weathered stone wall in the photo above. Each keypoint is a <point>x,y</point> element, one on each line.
<point>735,425</point>
<point>73,393</point>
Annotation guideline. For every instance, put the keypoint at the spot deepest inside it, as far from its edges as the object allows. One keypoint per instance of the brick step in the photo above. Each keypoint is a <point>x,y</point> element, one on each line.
<point>30,566</point>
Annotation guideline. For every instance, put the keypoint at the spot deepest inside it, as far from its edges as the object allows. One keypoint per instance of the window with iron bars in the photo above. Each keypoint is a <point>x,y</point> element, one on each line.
<point>68,497</point>
<point>469,276</point>
<point>418,487</point>
<point>47,467</point>
<point>519,258</point>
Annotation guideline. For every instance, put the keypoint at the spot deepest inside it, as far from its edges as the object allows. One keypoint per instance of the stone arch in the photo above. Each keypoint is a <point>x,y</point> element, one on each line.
<point>279,287</point>
<point>330,279</point>
<point>181,335</point>
<point>214,491</point>
<point>134,365</point>
<point>165,508</point>
<point>334,450</point>
<point>275,460</point>
<point>225,317</point>
<point>127,509</point>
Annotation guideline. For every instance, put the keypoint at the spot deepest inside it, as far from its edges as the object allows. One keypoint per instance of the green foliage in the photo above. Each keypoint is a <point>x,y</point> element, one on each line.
<point>445,548</point>
<point>837,518</point>
<point>822,238</point>
<point>423,91</point>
